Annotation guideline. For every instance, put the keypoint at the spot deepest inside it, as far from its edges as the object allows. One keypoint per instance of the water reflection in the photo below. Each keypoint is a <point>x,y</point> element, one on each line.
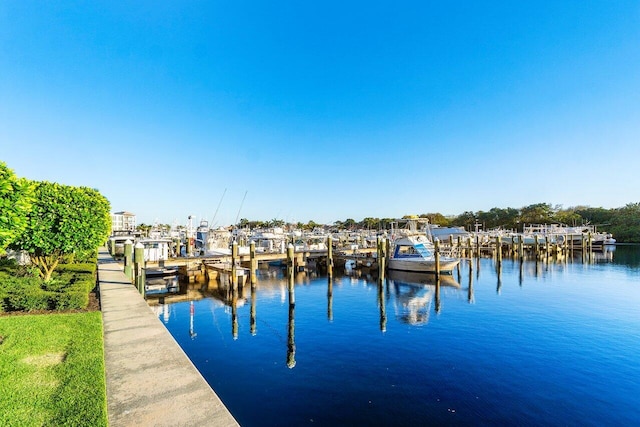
<point>252,315</point>
<point>330,298</point>
<point>291,343</point>
<point>414,292</point>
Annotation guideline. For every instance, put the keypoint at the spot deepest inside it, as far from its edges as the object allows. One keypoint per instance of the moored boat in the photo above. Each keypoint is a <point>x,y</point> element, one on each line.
<point>416,253</point>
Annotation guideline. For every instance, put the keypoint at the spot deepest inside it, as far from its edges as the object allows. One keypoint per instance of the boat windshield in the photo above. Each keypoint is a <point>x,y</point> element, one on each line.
<point>412,251</point>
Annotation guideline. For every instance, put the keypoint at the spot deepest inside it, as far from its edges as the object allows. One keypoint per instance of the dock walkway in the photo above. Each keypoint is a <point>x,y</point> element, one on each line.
<point>150,380</point>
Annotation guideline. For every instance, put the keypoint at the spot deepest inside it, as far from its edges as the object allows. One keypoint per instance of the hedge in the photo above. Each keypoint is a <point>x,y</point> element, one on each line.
<point>68,289</point>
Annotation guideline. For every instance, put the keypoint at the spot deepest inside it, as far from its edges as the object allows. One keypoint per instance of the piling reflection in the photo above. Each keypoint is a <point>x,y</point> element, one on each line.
<point>470,297</point>
<point>252,315</point>
<point>192,311</point>
<point>234,313</point>
<point>291,343</point>
<point>330,298</point>
<point>382,306</point>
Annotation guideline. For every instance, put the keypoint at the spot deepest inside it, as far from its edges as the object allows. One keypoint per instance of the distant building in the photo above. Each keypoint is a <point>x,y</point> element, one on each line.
<point>123,221</point>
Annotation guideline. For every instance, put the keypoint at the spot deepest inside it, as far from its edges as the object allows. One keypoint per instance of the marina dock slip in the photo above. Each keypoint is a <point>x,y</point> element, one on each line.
<point>150,380</point>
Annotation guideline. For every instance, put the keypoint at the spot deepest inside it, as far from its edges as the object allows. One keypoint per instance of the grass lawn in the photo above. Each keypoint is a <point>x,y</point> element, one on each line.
<point>52,370</point>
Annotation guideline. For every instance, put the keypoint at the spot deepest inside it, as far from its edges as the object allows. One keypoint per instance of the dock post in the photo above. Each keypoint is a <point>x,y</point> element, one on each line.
<point>437,255</point>
<point>521,247</point>
<point>291,273</point>
<point>329,257</point>
<point>234,257</point>
<point>253,261</point>
<point>387,249</point>
<point>128,259</point>
<point>498,249</point>
<point>383,247</point>
<point>536,248</point>
<point>139,264</point>
<point>469,248</point>
<point>477,246</point>
<point>546,247</point>
<point>378,252</point>
<point>459,246</point>
<point>143,283</point>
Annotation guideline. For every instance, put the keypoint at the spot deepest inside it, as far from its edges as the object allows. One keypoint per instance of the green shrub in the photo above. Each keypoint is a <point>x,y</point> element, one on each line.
<point>71,300</point>
<point>68,289</point>
<point>77,268</point>
<point>29,299</point>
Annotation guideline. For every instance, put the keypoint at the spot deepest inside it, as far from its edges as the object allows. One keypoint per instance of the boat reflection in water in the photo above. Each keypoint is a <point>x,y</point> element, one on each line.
<point>415,292</point>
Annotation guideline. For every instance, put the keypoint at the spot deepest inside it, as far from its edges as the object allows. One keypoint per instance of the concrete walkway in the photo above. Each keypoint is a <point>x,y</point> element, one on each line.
<point>150,381</point>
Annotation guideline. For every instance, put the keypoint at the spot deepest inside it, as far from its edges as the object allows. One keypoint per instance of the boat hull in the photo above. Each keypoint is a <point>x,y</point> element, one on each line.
<point>422,265</point>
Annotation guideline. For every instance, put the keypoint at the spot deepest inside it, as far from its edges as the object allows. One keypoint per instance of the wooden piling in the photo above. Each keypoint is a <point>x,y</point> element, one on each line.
<point>138,257</point>
<point>128,259</point>
<point>291,273</point>
<point>253,262</point>
<point>234,259</point>
<point>521,247</point>
<point>329,257</point>
<point>437,256</point>
<point>546,247</point>
<point>498,249</point>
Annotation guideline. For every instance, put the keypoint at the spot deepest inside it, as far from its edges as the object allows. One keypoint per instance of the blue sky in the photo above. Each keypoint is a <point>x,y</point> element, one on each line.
<point>324,110</point>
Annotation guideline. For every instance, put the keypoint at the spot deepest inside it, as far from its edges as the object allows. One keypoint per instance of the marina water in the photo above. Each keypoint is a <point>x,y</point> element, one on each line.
<point>531,343</point>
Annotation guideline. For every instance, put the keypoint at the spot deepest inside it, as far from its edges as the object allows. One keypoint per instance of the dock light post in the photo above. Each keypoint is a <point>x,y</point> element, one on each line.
<point>128,259</point>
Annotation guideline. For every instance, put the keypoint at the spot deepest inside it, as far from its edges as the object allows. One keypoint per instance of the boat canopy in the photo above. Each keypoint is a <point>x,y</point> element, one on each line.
<point>413,248</point>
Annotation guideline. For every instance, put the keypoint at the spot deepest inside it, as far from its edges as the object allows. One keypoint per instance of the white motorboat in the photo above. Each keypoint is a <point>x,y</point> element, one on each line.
<point>417,253</point>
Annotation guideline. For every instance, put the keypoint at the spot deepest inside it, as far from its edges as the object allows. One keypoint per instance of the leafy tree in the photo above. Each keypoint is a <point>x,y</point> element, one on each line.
<point>466,219</point>
<point>349,224</point>
<point>16,197</point>
<point>63,220</point>
<point>625,223</point>
<point>276,223</point>
<point>370,223</point>
<point>569,217</point>
<point>539,213</point>
<point>595,216</point>
<point>436,219</point>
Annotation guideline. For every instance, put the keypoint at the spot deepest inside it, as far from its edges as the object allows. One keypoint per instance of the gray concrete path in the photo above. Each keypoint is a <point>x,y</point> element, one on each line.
<point>150,380</point>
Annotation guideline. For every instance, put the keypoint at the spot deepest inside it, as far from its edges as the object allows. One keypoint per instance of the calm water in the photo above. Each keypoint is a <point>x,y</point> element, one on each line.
<point>533,344</point>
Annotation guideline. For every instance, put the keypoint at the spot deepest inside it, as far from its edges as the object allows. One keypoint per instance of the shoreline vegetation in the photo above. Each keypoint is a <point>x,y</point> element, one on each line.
<point>623,223</point>
<point>52,355</point>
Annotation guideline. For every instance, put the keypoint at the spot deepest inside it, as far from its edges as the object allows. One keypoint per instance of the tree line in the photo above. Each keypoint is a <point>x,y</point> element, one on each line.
<point>50,221</point>
<point>623,222</point>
